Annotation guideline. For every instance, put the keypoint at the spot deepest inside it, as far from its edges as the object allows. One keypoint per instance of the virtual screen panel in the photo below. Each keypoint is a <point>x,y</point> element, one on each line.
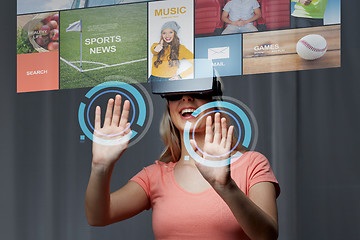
<point>112,46</point>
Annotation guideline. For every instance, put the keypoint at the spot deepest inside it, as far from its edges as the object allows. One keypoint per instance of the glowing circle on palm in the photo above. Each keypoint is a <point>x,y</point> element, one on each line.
<point>249,134</point>
<point>222,155</point>
<point>138,105</point>
<point>102,93</point>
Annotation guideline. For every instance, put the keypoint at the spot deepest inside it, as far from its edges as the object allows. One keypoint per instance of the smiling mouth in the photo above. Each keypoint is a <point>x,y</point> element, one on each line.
<point>187,113</point>
<point>167,39</point>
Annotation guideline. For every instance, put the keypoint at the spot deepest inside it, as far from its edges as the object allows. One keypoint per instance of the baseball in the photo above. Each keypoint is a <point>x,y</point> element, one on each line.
<point>311,47</point>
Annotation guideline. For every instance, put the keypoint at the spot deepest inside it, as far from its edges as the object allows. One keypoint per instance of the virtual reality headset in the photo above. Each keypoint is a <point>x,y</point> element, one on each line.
<point>203,80</point>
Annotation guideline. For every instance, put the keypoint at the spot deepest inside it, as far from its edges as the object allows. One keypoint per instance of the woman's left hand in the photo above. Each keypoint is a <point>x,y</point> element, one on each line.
<point>217,142</point>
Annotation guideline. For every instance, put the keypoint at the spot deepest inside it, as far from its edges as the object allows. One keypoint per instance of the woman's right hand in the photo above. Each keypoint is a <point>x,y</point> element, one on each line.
<point>112,132</point>
<point>103,208</point>
<point>160,46</point>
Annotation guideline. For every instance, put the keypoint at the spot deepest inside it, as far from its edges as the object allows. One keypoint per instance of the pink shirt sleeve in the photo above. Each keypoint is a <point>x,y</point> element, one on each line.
<point>148,178</point>
<point>260,171</point>
<point>143,179</point>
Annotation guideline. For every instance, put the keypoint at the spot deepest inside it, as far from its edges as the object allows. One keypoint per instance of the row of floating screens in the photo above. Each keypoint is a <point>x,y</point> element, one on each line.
<point>73,49</point>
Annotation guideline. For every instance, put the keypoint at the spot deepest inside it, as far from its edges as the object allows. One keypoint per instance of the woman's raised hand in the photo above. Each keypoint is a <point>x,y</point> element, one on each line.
<point>160,46</point>
<point>113,136</point>
<point>217,143</point>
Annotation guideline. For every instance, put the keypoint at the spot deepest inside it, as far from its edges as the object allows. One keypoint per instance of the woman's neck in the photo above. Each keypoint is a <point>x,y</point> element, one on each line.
<point>185,157</point>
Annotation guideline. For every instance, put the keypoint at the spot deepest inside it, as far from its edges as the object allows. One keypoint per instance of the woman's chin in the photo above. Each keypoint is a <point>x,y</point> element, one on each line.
<point>198,129</point>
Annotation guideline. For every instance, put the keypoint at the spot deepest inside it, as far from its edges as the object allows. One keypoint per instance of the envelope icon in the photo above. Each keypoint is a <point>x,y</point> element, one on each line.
<point>219,53</point>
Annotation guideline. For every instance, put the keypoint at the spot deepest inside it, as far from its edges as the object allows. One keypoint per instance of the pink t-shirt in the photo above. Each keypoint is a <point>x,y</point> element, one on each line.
<point>178,214</point>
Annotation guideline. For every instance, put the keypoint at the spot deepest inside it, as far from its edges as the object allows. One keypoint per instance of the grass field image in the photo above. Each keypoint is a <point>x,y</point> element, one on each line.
<point>114,46</point>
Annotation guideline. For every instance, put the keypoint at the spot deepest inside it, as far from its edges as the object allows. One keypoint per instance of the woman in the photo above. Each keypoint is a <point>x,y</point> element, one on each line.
<point>189,200</point>
<point>240,16</point>
<point>168,53</point>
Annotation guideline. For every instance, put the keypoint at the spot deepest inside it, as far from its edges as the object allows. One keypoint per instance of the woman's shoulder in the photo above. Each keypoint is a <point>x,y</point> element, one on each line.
<point>250,158</point>
<point>256,158</point>
<point>185,52</point>
<point>182,47</point>
<point>254,154</point>
<point>259,170</point>
<point>251,155</point>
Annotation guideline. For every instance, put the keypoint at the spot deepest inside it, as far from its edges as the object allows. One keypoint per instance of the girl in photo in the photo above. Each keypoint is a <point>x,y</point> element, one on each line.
<point>168,53</point>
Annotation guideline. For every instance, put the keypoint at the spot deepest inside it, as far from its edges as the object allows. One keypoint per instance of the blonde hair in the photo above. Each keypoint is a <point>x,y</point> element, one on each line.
<point>171,138</point>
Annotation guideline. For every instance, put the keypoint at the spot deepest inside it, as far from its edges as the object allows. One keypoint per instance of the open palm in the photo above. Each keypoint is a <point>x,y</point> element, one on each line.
<point>217,147</point>
<point>111,140</point>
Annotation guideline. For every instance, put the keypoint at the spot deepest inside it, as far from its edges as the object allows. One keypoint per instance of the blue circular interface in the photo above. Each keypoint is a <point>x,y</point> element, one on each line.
<point>131,122</point>
<point>237,143</point>
<point>140,119</point>
<point>247,133</point>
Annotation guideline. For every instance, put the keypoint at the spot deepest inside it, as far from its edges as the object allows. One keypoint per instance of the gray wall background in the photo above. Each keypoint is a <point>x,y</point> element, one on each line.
<point>309,129</point>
